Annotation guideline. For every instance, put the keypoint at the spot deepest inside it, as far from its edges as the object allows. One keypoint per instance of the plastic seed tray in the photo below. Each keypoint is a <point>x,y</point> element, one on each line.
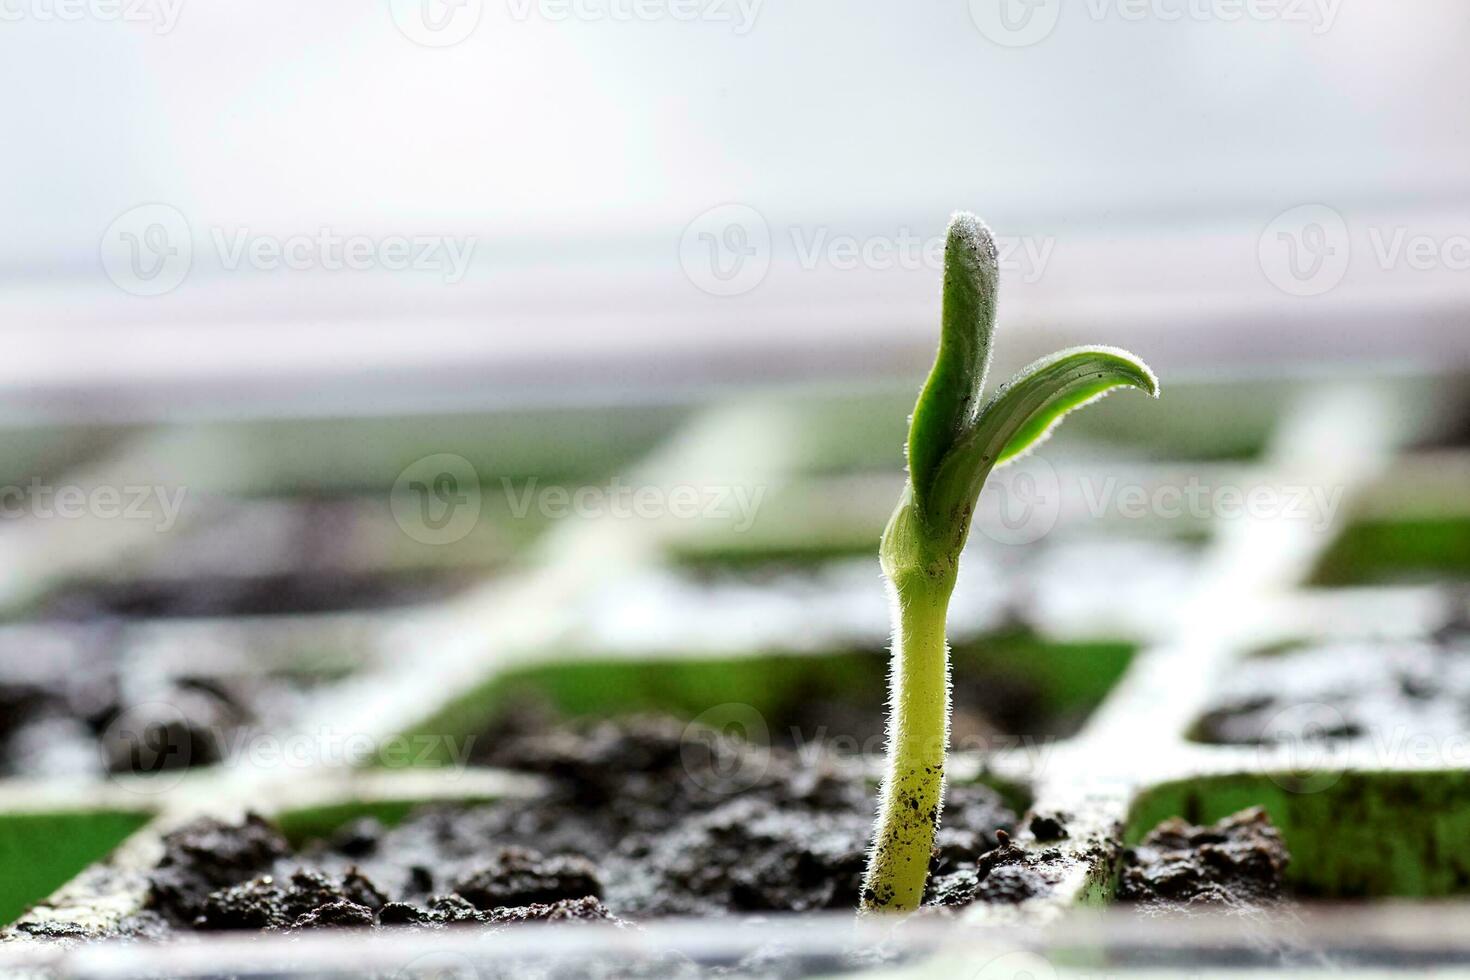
<point>1161,614</point>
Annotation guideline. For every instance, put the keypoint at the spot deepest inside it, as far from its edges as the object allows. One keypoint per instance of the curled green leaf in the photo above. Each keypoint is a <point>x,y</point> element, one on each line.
<point>1029,406</point>
<point>1022,413</point>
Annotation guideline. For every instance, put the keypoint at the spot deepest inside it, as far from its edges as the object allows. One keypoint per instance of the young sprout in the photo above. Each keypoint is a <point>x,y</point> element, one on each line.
<point>954,443</point>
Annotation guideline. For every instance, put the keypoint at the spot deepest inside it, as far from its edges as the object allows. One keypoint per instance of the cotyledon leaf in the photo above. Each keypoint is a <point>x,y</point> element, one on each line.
<point>1024,411</point>
<point>948,404</point>
<point>1045,392</point>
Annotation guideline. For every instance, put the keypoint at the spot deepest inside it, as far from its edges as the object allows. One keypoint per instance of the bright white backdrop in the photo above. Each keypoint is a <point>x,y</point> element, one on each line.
<point>1140,151</point>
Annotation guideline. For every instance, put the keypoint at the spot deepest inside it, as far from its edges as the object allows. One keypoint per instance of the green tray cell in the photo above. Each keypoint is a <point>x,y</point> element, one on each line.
<point>1351,834</point>
<point>1400,552</point>
<point>39,852</point>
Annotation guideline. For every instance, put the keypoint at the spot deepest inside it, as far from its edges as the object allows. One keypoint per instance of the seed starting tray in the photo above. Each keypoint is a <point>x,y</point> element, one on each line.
<point>1147,558</point>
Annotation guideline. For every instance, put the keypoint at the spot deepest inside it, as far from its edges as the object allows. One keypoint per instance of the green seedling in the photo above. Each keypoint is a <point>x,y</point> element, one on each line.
<point>954,443</point>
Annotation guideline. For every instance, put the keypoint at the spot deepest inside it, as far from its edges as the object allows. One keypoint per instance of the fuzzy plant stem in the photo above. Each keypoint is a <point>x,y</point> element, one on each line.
<point>918,736</point>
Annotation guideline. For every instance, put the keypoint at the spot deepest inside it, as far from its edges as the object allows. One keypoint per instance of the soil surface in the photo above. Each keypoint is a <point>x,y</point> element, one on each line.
<point>1237,863</point>
<point>1345,690</point>
<point>644,822</point>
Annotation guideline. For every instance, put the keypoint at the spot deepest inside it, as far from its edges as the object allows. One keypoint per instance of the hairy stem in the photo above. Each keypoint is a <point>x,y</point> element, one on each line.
<point>913,786</point>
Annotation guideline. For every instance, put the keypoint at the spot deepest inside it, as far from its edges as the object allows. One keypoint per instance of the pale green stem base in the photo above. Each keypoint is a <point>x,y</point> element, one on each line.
<point>918,736</point>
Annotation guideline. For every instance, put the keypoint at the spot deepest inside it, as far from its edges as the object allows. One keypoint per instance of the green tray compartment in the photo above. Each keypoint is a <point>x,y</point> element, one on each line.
<point>40,852</point>
<point>1378,552</point>
<point>1351,834</point>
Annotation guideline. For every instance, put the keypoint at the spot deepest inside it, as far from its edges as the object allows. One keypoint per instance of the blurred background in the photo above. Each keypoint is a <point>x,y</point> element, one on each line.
<point>582,176</point>
<point>457,367</point>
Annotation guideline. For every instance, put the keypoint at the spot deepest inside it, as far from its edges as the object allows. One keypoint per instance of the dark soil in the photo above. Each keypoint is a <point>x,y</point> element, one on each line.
<point>644,822</point>
<point>1008,874</point>
<point>78,706</point>
<point>1047,827</point>
<point>262,557</point>
<point>291,593</point>
<point>1237,863</point>
<point>1341,691</point>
